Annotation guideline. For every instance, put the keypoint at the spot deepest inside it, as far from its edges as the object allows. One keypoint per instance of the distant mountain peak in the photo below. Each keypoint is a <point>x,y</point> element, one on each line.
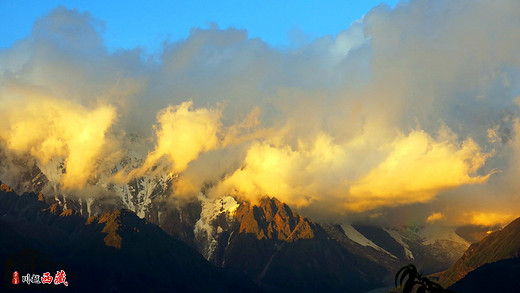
<point>272,219</point>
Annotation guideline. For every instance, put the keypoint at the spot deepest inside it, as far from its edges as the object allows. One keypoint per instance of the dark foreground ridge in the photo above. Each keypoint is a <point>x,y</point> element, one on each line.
<point>114,252</point>
<point>500,276</point>
<point>490,263</point>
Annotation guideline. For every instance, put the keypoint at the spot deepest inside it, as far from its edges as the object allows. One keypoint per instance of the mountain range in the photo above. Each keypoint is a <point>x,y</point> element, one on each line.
<point>230,242</point>
<point>113,252</point>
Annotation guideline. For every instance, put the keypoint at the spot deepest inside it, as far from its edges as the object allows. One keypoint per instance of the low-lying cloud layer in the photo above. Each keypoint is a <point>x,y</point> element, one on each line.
<point>411,108</point>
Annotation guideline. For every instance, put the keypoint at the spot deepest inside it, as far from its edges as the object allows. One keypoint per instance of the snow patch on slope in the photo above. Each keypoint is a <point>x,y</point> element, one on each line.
<point>432,233</point>
<point>138,194</point>
<point>399,238</point>
<point>359,238</point>
<point>207,227</point>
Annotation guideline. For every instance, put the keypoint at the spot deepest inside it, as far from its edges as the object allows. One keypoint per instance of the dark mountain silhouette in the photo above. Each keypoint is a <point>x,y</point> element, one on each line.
<point>113,252</point>
<point>499,245</point>
<point>500,276</point>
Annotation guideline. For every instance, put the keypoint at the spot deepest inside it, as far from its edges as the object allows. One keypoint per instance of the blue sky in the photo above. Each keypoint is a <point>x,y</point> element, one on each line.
<point>131,23</point>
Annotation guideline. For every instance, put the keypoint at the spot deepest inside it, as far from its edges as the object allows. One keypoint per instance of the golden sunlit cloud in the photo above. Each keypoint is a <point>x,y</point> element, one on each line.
<point>487,218</point>
<point>434,217</point>
<point>417,168</point>
<point>53,130</point>
<point>289,174</point>
<point>182,134</point>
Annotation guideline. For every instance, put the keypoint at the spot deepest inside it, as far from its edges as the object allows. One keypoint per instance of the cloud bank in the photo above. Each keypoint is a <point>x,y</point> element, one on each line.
<point>408,108</point>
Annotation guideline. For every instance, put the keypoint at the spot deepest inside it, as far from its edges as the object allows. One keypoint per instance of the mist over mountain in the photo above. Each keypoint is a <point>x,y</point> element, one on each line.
<point>267,241</point>
<point>408,114</point>
<point>320,167</point>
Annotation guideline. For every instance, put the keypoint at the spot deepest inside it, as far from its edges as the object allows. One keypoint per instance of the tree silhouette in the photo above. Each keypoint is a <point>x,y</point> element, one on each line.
<point>416,280</point>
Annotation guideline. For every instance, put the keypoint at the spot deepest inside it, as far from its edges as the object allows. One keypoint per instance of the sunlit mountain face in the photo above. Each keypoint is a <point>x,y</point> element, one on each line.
<point>406,122</point>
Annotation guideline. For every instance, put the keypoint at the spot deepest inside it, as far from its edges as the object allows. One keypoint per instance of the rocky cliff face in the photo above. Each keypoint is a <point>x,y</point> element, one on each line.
<point>272,219</point>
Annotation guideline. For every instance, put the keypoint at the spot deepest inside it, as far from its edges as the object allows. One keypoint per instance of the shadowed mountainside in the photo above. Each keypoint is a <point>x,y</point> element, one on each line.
<point>500,276</point>
<point>114,252</point>
<point>282,250</point>
<point>499,245</point>
<point>213,225</point>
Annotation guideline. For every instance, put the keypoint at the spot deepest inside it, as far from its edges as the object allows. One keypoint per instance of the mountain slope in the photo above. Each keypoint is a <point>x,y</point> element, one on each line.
<point>424,246</point>
<point>284,251</point>
<point>500,276</point>
<point>499,245</point>
<point>228,232</point>
<point>114,252</point>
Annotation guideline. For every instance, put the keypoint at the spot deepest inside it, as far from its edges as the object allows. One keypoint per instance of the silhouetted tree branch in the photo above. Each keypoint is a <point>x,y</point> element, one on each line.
<point>409,279</point>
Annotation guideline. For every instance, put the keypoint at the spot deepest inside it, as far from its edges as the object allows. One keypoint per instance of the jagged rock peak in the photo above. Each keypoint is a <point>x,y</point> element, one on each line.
<point>272,219</point>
